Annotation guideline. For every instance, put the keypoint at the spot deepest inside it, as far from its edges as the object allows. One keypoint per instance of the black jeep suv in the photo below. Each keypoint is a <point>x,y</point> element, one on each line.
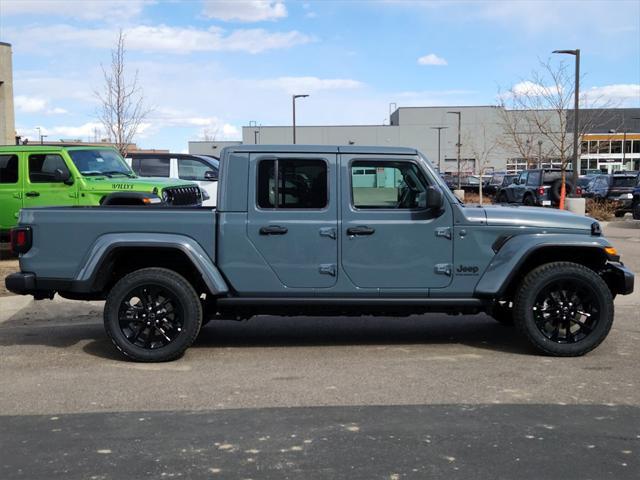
<point>540,187</point>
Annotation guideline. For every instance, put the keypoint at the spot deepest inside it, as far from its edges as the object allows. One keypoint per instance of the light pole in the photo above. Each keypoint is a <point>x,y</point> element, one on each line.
<point>293,101</point>
<point>39,134</point>
<point>539,153</point>
<point>576,124</point>
<point>458,145</point>
<point>439,130</point>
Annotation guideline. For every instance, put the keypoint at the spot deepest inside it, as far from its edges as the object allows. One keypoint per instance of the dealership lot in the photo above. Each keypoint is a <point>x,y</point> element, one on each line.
<point>280,397</point>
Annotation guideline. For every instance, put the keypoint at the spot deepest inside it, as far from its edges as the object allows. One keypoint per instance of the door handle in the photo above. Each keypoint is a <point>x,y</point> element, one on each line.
<point>273,230</point>
<point>354,231</point>
<point>32,194</point>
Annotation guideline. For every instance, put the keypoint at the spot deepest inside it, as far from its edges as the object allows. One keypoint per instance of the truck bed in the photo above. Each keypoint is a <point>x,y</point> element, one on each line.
<point>56,229</point>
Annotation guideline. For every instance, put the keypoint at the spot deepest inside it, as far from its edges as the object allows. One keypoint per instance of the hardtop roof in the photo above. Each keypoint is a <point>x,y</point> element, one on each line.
<point>353,149</point>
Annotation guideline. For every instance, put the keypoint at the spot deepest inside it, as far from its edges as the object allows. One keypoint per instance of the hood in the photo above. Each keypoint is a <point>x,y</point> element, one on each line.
<point>516,216</point>
<point>139,184</point>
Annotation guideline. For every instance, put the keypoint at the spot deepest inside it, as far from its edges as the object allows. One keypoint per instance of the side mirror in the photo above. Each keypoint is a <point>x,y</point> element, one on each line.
<point>62,176</point>
<point>516,181</point>
<point>431,198</point>
<point>210,175</point>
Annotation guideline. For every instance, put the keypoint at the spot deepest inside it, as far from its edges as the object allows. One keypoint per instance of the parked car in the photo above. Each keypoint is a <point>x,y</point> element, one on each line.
<point>201,169</point>
<point>45,175</point>
<point>497,181</point>
<point>618,187</point>
<point>539,187</point>
<point>635,205</point>
<point>321,230</point>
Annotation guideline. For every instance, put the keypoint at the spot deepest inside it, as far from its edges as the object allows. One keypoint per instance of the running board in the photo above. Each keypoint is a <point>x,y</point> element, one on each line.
<point>351,302</point>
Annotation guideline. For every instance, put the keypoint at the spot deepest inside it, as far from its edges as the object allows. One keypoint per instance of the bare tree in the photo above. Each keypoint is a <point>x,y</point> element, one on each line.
<point>482,147</point>
<point>537,110</point>
<point>122,107</point>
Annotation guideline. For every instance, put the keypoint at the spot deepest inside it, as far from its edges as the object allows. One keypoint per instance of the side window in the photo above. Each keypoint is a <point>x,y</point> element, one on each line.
<point>295,184</point>
<point>192,169</point>
<point>523,178</point>
<point>42,167</point>
<point>154,167</point>
<point>386,184</point>
<point>8,168</point>
<point>533,179</point>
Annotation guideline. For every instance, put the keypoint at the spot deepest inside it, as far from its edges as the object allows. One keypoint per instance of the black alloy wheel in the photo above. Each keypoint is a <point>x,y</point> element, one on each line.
<point>564,309</point>
<point>152,315</point>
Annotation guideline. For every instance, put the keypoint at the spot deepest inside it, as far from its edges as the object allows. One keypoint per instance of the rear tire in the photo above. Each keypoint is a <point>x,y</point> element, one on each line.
<point>152,315</point>
<point>564,309</point>
<point>528,201</point>
<point>502,198</point>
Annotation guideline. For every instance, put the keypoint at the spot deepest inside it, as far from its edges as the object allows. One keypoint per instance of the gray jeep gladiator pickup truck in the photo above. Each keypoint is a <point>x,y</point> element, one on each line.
<point>323,230</point>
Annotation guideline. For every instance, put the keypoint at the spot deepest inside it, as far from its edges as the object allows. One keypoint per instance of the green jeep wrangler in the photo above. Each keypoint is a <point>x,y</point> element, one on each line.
<point>43,175</point>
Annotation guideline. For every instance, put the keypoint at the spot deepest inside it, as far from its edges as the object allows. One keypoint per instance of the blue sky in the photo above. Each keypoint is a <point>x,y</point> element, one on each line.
<point>210,67</point>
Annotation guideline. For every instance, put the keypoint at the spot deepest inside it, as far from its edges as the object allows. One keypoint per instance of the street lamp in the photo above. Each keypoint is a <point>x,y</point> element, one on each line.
<point>576,125</point>
<point>539,153</point>
<point>439,130</point>
<point>458,145</point>
<point>293,100</point>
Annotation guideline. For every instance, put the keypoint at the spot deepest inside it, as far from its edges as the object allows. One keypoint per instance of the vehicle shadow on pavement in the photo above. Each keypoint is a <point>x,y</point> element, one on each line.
<point>478,331</point>
<point>85,327</point>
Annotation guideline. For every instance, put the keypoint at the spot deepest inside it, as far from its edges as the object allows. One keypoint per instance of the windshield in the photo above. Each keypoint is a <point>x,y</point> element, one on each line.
<point>100,162</point>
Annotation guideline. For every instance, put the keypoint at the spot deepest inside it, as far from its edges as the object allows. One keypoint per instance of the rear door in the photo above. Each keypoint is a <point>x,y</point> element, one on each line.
<point>292,220</point>
<point>387,241</point>
<point>10,190</point>
<point>40,185</point>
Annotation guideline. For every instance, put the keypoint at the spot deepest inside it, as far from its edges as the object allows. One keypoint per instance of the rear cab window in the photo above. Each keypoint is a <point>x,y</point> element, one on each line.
<point>624,181</point>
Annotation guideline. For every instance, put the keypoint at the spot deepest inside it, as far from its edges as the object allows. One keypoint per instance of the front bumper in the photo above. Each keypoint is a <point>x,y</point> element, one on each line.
<point>619,278</point>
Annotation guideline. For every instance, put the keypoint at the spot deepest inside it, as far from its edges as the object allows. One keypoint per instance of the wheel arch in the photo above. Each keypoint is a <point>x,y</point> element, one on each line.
<point>114,255</point>
<point>520,255</point>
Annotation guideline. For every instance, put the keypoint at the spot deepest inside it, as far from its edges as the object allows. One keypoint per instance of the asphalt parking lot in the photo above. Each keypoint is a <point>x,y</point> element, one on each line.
<point>428,396</point>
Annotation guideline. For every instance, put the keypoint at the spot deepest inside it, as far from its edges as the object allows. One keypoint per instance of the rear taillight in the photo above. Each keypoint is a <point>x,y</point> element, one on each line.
<point>540,190</point>
<point>579,191</point>
<point>20,238</point>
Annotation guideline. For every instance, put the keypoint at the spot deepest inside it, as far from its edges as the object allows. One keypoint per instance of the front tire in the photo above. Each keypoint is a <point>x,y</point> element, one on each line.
<point>636,210</point>
<point>152,315</point>
<point>564,309</point>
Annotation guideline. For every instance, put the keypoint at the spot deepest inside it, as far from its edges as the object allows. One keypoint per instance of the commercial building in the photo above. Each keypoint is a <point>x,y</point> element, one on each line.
<point>492,138</point>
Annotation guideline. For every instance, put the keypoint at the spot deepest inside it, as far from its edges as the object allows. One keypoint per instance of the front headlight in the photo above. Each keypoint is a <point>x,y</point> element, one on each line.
<point>165,196</point>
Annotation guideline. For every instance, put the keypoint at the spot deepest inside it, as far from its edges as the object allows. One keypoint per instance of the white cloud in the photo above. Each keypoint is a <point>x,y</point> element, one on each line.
<point>532,89</point>
<point>27,104</point>
<point>432,59</point>
<point>80,9</point>
<point>245,10</point>
<point>160,38</point>
<point>619,95</point>
<point>307,84</point>
<point>84,131</point>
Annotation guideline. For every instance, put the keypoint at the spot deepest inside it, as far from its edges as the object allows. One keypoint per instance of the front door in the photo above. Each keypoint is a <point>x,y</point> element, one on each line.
<point>10,190</point>
<point>42,188</point>
<point>388,242</point>
<point>292,218</point>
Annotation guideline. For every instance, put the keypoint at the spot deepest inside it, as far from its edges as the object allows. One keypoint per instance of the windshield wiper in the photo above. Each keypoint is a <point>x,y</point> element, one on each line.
<point>94,174</point>
<point>118,172</point>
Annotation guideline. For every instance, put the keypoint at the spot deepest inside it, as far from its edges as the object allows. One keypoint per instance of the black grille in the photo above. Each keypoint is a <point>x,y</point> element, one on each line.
<point>182,195</point>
